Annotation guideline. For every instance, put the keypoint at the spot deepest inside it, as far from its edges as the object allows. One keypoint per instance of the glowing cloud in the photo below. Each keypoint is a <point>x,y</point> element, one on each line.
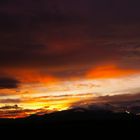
<point>109,71</point>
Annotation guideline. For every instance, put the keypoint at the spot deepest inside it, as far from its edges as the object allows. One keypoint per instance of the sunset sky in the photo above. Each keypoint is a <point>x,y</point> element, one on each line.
<point>55,53</point>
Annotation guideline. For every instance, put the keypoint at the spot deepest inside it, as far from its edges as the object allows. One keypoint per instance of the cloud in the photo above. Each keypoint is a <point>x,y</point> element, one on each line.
<point>8,83</point>
<point>4,94</point>
<point>15,107</point>
<point>72,35</point>
<point>114,99</point>
<point>109,71</point>
<point>8,100</point>
<point>15,111</point>
<point>50,41</point>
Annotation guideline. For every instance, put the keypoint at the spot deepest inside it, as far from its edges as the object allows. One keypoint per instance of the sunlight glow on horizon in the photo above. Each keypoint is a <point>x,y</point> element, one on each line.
<point>61,95</point>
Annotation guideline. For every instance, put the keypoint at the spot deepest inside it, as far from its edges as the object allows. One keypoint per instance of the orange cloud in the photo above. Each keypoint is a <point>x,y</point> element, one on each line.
<point>109,71</point>
<point>31,75</point>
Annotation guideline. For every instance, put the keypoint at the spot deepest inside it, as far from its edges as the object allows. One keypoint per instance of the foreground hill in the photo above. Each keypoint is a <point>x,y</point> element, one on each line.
<point>76,118</point>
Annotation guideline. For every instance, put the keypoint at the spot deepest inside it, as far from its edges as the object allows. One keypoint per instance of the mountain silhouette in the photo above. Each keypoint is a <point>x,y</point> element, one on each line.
<point>71,118</point>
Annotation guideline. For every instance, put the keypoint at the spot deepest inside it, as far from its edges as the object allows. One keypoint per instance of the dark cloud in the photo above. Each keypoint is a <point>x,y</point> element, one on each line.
<point>82,33</point>
<point>115,99</point>
<point>8,83</point>
<point>10,107</point>
<point>56,10</point>
<point>23,15</point>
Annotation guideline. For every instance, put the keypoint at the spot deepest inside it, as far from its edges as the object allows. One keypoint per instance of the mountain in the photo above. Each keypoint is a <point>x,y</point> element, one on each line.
<point>79,122</point>
<point>72,117</point>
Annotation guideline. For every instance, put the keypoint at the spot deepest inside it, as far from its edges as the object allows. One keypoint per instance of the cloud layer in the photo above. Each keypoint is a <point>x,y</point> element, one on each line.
<point>7,82</point>
<point>54,47</point>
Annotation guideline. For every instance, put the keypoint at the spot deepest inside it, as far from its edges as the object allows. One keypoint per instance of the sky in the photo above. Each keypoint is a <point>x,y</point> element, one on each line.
<point>56,53</point>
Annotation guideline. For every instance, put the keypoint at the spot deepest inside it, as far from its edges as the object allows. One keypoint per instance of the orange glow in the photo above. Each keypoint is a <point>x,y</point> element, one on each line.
<point>31,75</point>
<point>39,107</point>
<point>58,107</point>
<point>109,71</point>
<point>40,93</point>
<point>50,104</point>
